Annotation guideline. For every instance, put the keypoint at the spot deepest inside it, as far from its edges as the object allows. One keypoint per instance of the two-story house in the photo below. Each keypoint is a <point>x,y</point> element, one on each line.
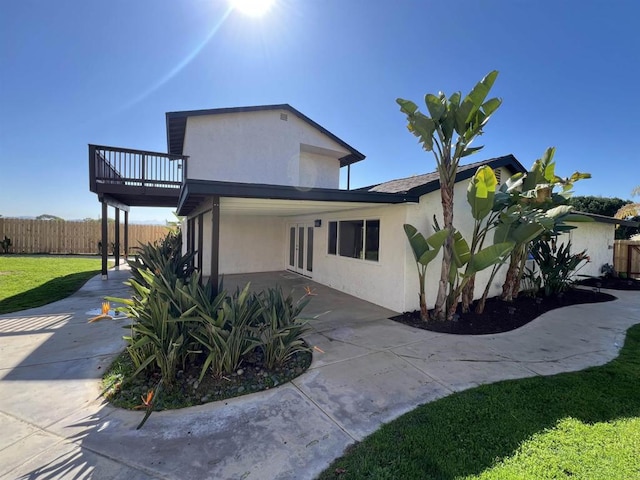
<point>259,190</point>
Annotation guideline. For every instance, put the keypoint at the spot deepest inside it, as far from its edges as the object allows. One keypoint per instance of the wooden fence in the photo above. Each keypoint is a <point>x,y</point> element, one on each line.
<point>626,257</point>
<point>64,237</point>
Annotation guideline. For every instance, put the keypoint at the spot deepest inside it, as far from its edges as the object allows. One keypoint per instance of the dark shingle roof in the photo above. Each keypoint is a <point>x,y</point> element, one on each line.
<point>429,182</point>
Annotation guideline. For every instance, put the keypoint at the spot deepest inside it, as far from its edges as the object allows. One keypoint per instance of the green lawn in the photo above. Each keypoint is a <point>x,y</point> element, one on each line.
<point>583,425</point>
<point>32,281</point>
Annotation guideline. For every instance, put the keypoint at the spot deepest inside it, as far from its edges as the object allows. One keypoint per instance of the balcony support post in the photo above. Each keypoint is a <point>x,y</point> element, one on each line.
<point>105,240</point>
<point>215,241</point>
<point>116,240</point>
<point>126,236</point>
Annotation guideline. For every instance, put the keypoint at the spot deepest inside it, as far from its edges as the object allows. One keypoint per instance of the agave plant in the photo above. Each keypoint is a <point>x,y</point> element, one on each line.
<point>279,333</point>
<point>225,330</point>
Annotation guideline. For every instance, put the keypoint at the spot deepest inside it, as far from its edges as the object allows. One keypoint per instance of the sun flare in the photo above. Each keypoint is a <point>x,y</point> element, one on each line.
<point>253,8</point>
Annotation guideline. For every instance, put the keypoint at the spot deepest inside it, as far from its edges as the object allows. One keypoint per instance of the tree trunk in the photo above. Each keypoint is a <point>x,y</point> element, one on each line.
<point>446,196</point>
<point>424,314</point>
<point>467,294</point>
<point>513,276</point>
<point>520,273</point>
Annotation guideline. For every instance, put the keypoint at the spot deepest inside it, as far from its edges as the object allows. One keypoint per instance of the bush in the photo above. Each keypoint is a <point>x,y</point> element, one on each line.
<point>556,265</point>
<point>177,322</point>
<point>280,332</point>
<point>5,244</point>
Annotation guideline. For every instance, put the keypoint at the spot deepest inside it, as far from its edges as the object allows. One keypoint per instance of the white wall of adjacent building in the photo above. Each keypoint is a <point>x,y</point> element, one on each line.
<point>597,239</point>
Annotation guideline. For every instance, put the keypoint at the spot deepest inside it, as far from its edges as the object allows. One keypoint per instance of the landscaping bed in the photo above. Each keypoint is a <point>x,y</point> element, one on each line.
<point>192,342</point>
<point>188,391</point>
<point>612,283</point>
<point>500,316</point>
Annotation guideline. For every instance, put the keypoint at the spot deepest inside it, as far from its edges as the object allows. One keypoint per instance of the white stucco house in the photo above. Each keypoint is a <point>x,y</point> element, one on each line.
<point>260,192</point>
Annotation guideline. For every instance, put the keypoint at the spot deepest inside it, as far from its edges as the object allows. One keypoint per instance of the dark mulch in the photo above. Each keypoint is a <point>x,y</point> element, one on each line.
<point>613,283</point>
<point>502,316</point>
<point>188,391</point>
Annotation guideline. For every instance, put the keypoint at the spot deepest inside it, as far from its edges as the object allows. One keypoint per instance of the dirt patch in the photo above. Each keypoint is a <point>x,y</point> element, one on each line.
<point>502,316</point>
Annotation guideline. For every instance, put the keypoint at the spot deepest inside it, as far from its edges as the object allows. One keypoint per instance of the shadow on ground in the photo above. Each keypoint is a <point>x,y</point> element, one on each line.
<point>51,291</point>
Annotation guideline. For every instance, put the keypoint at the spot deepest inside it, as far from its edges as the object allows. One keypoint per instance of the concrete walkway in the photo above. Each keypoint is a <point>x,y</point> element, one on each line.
<point>54,425</point>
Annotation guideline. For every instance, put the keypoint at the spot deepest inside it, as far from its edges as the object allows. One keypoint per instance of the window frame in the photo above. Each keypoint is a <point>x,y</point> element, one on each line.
<point>333,241</point>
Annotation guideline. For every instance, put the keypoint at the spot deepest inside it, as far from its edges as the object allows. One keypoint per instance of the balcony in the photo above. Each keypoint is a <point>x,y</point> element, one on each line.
<point>136,177</point>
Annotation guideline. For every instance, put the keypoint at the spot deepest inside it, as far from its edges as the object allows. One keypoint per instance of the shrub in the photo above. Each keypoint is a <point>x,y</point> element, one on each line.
<point>556,265</point>
<point>5,244</point>
<point>178,322</point>
<point>225,331</point>
<point>280,331</point>
<point>163,258</point>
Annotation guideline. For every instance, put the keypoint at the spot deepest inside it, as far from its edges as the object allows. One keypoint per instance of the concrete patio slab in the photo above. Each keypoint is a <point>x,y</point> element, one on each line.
<point>252,437</point>
<point>364,392</point>
<point>67,460</point>
<point>461,362</point>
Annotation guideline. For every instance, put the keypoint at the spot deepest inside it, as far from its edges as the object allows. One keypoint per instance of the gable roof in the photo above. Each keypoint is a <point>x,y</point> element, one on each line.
<point>177,125</point>
<point>429,182</point>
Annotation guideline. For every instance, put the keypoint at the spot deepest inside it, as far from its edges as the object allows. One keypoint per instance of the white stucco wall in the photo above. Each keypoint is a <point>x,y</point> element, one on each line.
<point>251,244</point>
<point>318,170</point>
<point>595,237</point>
<point>380,282</point>
<point>259,147</point>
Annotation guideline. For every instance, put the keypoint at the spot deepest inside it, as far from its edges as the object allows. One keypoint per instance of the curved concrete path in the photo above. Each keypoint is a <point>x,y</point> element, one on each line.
<point>371,370</point>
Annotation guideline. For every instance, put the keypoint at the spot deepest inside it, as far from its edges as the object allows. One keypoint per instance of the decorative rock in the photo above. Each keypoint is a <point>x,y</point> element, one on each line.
<point>240,371</point>
<point>240,389</point>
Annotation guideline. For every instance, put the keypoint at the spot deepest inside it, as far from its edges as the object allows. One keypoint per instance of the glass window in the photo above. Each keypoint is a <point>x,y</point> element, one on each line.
<point>333,238</point>
<point>355,239</point>
<point>310,249</point>
<point>350,236</point>
<point>372,240</point>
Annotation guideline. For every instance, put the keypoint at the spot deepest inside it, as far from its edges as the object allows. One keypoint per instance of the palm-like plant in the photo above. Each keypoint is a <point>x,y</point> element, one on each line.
<point>452,125</point>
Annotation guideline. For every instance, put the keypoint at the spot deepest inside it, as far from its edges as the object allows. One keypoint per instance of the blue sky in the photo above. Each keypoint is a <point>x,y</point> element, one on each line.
<point>78,72</point>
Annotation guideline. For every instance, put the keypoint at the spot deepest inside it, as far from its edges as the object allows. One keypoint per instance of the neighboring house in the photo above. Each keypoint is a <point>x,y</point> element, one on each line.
<point>259,188</point>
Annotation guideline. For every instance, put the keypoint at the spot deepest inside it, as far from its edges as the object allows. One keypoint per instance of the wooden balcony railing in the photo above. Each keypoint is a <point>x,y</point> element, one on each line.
<point>134,168</point>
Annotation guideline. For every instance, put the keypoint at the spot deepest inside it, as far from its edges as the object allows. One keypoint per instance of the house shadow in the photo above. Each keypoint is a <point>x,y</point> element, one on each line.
<point>41,295</point>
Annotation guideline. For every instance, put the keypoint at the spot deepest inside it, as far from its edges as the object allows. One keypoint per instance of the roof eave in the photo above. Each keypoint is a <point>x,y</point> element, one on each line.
<point>192,189</point>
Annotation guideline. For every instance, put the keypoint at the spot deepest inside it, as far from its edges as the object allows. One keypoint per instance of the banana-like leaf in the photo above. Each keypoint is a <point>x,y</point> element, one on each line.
<point>479,93</point>
<point>435,106</point>
<point>526,232</point>
<point>470,151</point>
<point>461,251</point>
<point>491,106</point>
<point>489,256</point>
<point>454,99</point>
<point>407,106</point>
<point>481,192</point>
<point>558,211</point>
<point>427,257</point>
<point>437,239</point>
<point>417,241</point>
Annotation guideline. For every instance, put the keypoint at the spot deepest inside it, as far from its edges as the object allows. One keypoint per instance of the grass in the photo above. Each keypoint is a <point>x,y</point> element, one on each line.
<point>582,425</point>
<point>33,281</point>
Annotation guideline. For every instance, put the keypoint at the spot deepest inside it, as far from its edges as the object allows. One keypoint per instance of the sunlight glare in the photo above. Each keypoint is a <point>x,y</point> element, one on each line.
<point>253,8</point>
